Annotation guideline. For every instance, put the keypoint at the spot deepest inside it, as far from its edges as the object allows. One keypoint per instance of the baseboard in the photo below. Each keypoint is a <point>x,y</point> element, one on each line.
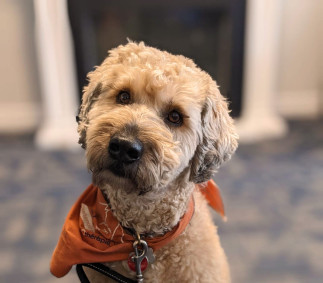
<point>19,117</point>
<point>300,104</point>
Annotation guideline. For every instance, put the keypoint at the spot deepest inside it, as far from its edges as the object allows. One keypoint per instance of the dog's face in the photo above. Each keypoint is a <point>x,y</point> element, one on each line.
<point>148,118</point>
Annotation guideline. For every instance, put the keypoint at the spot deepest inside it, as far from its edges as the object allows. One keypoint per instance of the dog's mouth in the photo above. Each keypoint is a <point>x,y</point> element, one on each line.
<point>127,175</point>
<point>123,170</point>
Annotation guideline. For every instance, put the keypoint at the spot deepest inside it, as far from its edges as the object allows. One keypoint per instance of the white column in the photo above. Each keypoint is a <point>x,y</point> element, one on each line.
<point>57,76</point>
<point>260,119</point>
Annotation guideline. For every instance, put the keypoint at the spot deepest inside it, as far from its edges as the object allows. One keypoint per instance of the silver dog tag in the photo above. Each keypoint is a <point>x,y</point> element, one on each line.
<point>150,256</point>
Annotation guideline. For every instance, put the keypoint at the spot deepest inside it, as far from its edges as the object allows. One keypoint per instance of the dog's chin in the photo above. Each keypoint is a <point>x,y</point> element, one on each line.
<point>120,177</point>
<point>120,170</point>
<point>113,179</point>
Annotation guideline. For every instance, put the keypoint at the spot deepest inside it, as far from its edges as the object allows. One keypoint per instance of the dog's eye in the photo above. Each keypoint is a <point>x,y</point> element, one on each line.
<point>175,118</point>
<point>123,97</point>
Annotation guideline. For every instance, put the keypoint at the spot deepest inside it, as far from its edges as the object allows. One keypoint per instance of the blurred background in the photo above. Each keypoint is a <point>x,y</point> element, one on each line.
<point>266,55</point>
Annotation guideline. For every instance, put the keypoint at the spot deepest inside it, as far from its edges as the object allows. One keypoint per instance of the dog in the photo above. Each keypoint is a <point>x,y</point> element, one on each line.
<point>153,125</point>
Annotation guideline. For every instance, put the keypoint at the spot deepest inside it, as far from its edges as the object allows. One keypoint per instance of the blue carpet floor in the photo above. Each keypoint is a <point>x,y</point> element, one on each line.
<point>273,192</point>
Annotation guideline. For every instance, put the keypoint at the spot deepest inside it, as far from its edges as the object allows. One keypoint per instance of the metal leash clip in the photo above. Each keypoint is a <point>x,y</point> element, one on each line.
<point>141,249</point>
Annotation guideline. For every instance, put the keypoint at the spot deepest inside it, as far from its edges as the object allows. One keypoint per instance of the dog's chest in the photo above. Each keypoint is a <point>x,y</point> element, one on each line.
<point>194,256</point>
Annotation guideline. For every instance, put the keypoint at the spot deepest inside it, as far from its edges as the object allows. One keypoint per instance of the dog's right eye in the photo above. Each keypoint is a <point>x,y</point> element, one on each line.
<point>123,97</point>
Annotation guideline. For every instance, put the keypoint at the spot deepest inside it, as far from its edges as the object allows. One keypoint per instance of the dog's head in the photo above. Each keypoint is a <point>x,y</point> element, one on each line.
<point>148,116</point>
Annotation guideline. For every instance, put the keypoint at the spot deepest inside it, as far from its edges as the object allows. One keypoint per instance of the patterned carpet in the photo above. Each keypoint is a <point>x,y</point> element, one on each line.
<point>273,193</point>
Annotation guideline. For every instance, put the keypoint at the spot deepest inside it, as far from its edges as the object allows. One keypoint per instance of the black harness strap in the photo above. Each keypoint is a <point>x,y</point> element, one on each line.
<point>99,267</point>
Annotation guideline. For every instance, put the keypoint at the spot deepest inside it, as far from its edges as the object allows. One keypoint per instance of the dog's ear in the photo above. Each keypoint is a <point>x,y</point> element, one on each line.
<point>219,138</point>
<point>90,95</point>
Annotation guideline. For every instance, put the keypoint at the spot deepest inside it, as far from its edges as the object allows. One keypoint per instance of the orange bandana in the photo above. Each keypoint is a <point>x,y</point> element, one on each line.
<point>212,193</point>
<point>92,234</point>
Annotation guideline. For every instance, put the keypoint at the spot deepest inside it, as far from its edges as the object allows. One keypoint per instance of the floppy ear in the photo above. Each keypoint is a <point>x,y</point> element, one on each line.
<point>219,138</point>
<point>90,95</point>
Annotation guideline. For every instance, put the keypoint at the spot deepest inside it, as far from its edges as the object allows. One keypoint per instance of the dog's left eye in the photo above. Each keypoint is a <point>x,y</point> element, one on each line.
<point>175,118</point>
<point>123,97</point>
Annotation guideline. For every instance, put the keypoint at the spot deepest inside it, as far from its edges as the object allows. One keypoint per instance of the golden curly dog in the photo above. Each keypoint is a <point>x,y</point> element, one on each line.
<point>153,125</point>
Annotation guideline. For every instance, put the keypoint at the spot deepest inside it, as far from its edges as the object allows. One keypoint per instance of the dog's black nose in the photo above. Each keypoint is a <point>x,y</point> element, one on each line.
<point>124,150</point>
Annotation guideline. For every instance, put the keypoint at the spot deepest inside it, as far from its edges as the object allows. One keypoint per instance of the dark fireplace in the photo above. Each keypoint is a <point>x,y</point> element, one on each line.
<point>209,32</point>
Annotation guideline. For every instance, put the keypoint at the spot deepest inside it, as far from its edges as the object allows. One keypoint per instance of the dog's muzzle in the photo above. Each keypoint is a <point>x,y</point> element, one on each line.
<point>124,153</point>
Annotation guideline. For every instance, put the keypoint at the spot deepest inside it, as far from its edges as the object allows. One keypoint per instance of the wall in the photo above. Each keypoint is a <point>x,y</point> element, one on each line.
<point>299,78</point>
<point>19,95</point>
<point>301,69</point>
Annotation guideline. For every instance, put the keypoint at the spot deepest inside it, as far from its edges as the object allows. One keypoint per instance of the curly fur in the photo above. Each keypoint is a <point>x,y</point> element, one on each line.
<point>153,196</point>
